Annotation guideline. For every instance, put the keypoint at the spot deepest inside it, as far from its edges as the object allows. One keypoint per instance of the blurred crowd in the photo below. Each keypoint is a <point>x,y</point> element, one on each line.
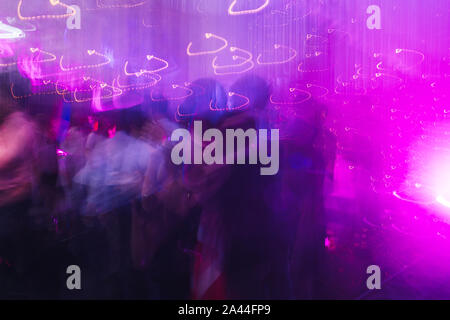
<point>99,190</point>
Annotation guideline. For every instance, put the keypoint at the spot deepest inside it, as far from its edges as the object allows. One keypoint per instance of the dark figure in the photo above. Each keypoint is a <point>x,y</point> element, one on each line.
<point>17,177</point>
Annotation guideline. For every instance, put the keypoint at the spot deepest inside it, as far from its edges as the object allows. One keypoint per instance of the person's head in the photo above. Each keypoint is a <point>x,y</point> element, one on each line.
<point>46,110</point>
<point>80,119</point>
<point>131,120</point>
<point>208,102</point>
<point>255,88</point>
<point>104,123</point>
<point>213,182</point>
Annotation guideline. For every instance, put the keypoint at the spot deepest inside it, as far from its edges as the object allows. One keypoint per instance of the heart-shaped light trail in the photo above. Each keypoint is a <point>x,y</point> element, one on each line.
<point>54,3</point>
<point>189,93</point>
<point>292,56</point>
<point>235,58</point>
<point>228,107</point>
<point>89,66</point>
<point>51,56</point>
<point>292,90</point>
<point>207,36</point>
<point>232,12</point>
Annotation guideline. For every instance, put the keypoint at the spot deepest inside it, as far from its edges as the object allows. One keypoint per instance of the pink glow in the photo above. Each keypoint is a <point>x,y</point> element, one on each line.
<point>61,153</point>
<point>442,200</point>
<point>327,243</point>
